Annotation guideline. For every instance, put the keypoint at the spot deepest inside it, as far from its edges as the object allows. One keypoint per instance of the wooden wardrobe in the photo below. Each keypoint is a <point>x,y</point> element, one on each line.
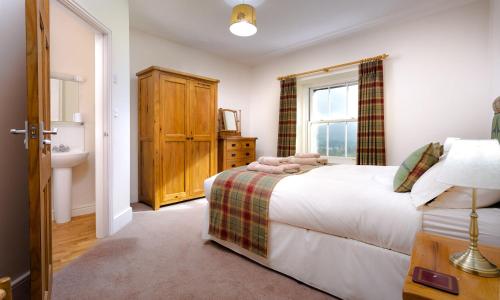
<point>177,135</point>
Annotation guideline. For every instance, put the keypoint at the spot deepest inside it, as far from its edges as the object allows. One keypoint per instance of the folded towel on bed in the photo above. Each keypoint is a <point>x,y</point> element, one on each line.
<point>272,161</point>
<point>281,169</point>
<point>308,155</point>
<point>307,161</point>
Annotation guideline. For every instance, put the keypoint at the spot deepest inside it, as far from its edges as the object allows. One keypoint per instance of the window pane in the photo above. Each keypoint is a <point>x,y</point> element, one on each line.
<point>352,138</point>
<point>336,142</point>
<point>319,106</point>
<point>352,98</point>
<point>318,138</point>
<point>338,102</point>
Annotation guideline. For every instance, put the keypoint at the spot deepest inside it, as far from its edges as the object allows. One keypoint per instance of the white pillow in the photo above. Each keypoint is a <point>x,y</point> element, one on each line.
<point>448,143</point>
<point>460,197</point>
<point>427,187</point>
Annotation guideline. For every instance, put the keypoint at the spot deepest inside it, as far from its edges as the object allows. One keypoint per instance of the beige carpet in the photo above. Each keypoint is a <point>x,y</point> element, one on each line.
<point>161,255</point>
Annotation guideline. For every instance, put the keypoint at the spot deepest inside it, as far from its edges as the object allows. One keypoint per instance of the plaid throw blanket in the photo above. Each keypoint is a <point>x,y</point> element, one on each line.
<point>239,208</point>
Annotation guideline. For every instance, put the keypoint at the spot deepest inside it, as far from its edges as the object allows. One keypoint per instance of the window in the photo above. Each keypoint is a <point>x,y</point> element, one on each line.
<point>333,120</point>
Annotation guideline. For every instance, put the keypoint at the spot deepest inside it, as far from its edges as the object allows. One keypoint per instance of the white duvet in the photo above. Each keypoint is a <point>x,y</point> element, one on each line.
<point>355,202</point>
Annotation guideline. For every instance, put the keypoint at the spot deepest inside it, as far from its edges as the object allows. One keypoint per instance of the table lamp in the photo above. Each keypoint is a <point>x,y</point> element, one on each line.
<point>473,164</point>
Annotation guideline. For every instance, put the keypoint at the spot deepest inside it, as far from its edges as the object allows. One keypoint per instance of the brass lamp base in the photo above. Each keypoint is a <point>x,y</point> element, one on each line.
<point>472,261</point>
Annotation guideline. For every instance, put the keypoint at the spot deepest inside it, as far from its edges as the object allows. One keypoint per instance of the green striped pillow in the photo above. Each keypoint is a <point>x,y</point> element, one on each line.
<point>415,165</point>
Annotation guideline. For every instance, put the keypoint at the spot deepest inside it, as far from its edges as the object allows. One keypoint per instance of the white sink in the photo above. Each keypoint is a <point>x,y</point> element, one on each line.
<point>62,176</point>
<point>68,159</point>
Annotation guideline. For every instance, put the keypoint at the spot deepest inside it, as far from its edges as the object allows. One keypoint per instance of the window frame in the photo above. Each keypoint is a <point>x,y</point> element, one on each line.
<point>310,123</point>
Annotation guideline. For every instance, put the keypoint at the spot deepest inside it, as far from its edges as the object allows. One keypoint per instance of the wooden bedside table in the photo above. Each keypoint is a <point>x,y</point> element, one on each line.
<point>432,252</point>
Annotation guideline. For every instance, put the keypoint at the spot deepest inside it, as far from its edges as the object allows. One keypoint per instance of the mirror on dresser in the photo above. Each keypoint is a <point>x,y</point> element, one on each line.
<point>65,98</point>
<point>234,150</point>
<point>229,122</point>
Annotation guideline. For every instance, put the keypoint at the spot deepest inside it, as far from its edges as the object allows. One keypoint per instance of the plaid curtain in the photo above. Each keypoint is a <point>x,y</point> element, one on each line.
<point>288,118</point>
<point>371,136</point>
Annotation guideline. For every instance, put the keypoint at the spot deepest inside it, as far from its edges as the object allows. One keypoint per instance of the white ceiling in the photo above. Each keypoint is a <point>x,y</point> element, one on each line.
<point>283,25</point>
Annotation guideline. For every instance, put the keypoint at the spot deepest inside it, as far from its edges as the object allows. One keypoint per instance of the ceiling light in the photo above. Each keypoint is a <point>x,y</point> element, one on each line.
<point>243,20</point>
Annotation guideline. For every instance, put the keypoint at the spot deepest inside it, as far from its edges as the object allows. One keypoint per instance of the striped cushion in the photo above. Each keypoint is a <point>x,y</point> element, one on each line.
<point>415,165</point>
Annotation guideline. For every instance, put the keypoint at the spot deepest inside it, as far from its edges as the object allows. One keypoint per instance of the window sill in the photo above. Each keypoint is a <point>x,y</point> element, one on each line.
<point>341,160</point>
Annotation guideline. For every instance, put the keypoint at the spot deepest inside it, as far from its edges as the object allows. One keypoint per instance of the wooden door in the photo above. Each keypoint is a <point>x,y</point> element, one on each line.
<point>39,181</point>
<point>173,108</point>
<point>202,136</point>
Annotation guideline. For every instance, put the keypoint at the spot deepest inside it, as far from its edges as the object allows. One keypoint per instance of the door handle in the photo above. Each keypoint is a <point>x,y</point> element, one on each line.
<point>43,132</point>
<point>22,131</point>
<point>18,131</point>
<point>5,288</point>
<point>53,131</point>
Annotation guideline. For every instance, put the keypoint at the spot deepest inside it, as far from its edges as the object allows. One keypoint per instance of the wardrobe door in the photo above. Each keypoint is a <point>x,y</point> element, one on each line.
<point>173,108</point>
<point>202,135</point>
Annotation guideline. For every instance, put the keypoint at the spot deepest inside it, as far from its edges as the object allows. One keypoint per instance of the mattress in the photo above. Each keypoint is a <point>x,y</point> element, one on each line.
<point>355,202</point>
<point>455,223</point>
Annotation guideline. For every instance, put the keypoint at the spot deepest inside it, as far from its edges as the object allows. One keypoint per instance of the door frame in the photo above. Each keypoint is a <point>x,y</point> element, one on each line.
<point>103,130</point>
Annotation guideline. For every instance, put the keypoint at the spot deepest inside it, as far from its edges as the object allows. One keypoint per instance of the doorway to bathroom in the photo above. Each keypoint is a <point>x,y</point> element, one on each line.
<point>79,97</point>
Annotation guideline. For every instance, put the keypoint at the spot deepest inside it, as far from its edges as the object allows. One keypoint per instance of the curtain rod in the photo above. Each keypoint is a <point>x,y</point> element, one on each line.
<point>330,68</point>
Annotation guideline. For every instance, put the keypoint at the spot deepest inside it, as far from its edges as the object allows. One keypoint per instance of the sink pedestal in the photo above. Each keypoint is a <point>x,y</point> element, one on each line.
<point>61,193</point>
<point>62,164</point>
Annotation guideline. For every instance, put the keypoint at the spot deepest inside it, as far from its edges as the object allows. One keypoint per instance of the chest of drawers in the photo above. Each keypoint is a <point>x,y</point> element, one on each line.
<point>235,151</point>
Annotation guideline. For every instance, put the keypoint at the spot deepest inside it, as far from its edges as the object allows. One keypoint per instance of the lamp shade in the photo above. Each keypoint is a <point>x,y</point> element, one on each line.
<point>473,164</point>
<point>243,21</point>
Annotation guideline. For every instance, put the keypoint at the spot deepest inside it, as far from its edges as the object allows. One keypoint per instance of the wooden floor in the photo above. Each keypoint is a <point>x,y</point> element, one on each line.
<point>72,239</point>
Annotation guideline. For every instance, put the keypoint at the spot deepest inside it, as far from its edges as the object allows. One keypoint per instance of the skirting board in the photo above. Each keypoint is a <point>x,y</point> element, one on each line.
<point>83,210</point>
<point>80,211</point>
<point>19,279</point>
<point>21,286</point>
<point>121,219</point>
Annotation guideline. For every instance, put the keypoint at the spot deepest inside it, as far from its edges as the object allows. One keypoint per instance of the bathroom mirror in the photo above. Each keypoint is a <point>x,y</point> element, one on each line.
<point>64,98</point>
<point>229,122</point>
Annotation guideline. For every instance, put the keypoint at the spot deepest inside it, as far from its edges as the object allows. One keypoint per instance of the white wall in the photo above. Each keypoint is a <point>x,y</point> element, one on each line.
<point>147,50</point>
<point>14,210</point>
<point>437,79</point>
<point>114,14</point>
<point>495,46</point>
<point>72,53</point>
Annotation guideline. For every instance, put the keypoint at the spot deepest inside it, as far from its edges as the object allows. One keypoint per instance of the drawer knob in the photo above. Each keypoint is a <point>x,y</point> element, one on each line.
<point>248,145</point>
<point>233,145</point>
<point>248,154</point>
<point>233,165</point>
<point>233,154</point>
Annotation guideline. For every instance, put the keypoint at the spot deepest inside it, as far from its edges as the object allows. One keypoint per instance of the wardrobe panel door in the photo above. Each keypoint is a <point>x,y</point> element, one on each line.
<point>200,166</point>
<point>174,171</point>
<point>173,107</point>
<point>202,131</point>
<point>202,108</point>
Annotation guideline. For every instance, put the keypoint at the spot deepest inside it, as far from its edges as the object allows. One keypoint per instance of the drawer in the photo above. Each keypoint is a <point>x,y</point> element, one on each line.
<point>241,154</point>
<point>248,144</point>
<point>248,154</point>
<point>233,163</point>
<point>233,154</point>
<point>233,145</point>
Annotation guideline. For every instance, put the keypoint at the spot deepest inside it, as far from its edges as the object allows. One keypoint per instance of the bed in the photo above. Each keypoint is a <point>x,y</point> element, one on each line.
<point>343,230</point>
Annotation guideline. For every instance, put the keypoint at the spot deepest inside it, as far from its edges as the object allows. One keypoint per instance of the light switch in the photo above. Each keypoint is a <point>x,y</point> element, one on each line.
<point>115,113</point>
<point>115,79</point>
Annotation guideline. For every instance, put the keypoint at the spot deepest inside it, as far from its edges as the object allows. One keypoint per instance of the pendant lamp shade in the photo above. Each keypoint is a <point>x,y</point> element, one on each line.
<point>243,20</point>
